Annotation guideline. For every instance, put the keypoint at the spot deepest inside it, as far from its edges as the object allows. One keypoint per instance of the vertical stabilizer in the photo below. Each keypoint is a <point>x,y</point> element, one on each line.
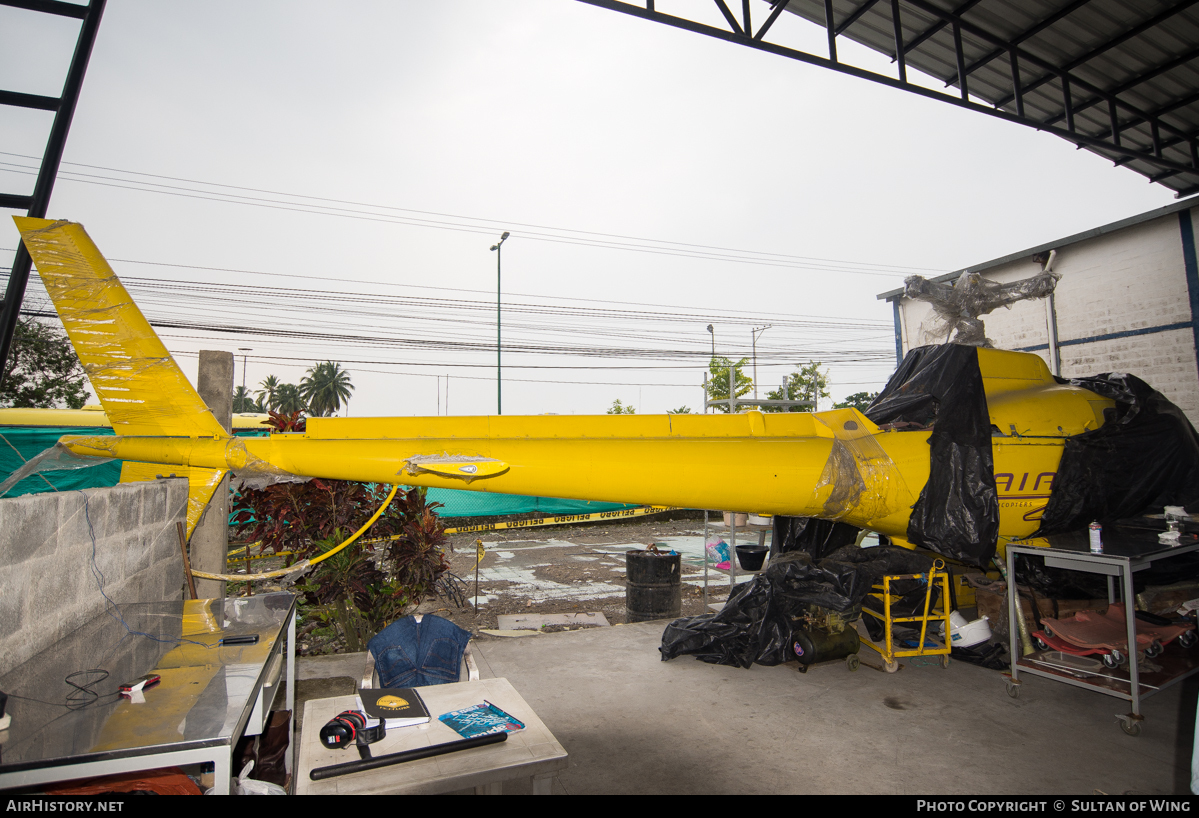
<point>141,387</point>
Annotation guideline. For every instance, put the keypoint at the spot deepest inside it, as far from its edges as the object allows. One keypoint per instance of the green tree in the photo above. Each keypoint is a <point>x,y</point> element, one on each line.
<point>266,393</point>
<point>288,399</point>
<point>858,400</point>
<point>807,383</point>
<point>42,371</point>
<point>718,380</point>
<point>682,410</point>
<point>242,402</point>
<point>325,387</point>
<point>618,409</point>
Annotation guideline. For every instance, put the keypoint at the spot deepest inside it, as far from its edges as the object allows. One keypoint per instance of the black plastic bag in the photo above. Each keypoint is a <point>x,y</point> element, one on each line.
<point>990,655</point>
<point>941,386</point>
<point>1143,458</point>
<point>910,602</point>
<point>815,537</point>
<point>755,624</point>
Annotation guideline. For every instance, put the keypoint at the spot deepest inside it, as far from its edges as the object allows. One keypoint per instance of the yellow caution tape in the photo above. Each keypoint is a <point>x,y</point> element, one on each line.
<point>558,519</point>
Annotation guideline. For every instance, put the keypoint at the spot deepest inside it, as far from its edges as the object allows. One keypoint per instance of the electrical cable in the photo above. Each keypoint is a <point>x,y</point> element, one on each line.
<point>302,565</point>
<point>591,238</point>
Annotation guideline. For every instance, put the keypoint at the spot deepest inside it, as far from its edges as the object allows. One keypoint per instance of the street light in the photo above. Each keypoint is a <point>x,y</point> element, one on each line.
<point>499,406</point>
<point>755,332</point>
<point>243,351</point>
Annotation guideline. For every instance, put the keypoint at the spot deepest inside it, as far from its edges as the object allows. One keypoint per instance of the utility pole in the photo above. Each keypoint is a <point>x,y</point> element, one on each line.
<point>210,539</point>
<point>499,406</point>
<point>754,333</point>
<point>243,351</point>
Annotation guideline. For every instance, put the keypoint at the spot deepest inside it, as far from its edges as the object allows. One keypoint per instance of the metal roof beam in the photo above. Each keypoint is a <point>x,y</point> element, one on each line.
<point>1114,131</point>
<point>1062,74</point>
<point>779,7</point>
<point>1181,59</point>
<point>1135,31</point>
<point>1128,154</point>
<point>14,201</point>
<point>18,278</point>
<point>19,100</point>
<point>920,38</point>
<point>1032,32</point>
<point>728,16</point>
<point>855,15</point>
<point>49,7</point>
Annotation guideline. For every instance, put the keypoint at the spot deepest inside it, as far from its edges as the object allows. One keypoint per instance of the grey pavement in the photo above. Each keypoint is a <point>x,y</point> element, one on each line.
<point>635,724</point>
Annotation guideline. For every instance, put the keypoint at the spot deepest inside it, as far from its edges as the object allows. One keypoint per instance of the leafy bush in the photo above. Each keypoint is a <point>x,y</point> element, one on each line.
<point>367,585</point>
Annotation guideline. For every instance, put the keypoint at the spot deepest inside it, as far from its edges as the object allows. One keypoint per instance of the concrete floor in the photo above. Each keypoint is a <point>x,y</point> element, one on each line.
<point>635,724</point>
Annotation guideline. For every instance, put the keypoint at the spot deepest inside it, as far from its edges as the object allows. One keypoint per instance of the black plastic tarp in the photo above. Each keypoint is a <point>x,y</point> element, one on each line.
<point>941,386</point>
<point>755,624</point>
<point>817,538</point>
<point>1143,458</point>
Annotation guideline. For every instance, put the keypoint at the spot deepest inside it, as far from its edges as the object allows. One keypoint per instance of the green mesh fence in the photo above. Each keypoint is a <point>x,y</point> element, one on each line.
<point>20,443</point>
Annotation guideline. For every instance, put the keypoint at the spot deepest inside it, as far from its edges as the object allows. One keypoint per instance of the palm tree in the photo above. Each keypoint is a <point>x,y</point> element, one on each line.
<point>242,402</point>
<point>325,387</point>
<point>266,392</point>
<point>288,399</point>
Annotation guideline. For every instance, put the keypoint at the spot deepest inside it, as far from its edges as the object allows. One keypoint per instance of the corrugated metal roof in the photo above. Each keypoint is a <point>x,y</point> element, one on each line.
<point>1082,65</point>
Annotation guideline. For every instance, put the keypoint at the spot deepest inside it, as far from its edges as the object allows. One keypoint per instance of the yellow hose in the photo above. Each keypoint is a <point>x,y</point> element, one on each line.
<point>302,565</point>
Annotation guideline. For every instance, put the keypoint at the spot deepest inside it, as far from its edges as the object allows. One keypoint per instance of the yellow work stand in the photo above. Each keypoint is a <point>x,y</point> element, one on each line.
<point>932,613</point>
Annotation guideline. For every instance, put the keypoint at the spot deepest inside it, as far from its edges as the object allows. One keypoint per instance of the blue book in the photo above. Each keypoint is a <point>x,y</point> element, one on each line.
<point>481,720</point>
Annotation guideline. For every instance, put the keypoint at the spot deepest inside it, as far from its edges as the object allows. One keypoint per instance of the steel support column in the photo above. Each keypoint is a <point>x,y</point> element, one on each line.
<point>64,112</point>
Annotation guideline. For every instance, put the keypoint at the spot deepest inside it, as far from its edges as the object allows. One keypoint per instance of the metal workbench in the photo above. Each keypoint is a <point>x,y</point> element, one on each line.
<point>209,696</point>
<point>1125,551</point>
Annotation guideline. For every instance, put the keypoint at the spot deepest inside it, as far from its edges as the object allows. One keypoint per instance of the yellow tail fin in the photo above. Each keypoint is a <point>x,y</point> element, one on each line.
<point>142,389</point>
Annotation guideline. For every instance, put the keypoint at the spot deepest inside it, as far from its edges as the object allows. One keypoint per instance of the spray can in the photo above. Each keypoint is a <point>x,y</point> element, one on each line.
<point>1096,531</point>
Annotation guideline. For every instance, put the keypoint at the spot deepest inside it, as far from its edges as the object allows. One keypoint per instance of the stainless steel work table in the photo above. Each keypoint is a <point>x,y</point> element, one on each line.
<point>1125,551</point>
<point>210,695</point>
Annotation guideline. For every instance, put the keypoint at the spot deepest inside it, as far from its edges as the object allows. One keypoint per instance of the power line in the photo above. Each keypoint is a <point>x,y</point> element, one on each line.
<point>485,225</point>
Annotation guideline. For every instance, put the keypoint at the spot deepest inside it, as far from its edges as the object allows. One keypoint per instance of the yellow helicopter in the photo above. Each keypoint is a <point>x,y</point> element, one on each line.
<point>836,464</point>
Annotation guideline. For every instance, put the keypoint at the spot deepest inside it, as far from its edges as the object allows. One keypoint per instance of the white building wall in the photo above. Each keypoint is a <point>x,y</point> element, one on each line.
<point>1118,282</point>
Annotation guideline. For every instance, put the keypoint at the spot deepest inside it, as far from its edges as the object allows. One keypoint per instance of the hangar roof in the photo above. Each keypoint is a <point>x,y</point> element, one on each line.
<point>1116,77</point>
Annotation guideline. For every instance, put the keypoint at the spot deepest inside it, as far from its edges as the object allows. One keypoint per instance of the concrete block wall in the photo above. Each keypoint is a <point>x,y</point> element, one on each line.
<point>56,548</point>
<point>1127,280</point>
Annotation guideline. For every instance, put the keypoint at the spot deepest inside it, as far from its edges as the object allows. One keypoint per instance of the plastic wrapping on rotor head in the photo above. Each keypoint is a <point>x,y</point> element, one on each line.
<point>1143,458</point>
<point>957,306</point>
<point>756,623</point>
<point>56,458</point>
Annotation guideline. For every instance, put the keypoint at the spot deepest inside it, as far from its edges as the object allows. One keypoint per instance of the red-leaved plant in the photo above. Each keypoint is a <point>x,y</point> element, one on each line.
<point>385,574</point>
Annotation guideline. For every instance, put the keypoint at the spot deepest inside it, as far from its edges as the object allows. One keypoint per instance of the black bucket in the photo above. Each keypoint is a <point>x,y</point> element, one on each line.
<point>653,589</point>
<point>751,557</point>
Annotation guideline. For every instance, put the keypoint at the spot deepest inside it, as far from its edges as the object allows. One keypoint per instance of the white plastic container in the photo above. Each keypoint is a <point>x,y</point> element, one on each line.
<point>963,634</point>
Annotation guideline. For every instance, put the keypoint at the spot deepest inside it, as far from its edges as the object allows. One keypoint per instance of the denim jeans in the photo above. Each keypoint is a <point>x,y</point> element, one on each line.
<point>411,654</point>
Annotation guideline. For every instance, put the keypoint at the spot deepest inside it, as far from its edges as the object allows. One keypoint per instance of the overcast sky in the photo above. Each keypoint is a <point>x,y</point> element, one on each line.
<point>317,151</point>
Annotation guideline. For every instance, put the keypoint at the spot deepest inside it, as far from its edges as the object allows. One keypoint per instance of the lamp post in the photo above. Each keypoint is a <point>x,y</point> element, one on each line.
<point>497,247</point>
<point>712,332</point>
<point>755,332</point>
<point>243,351</point>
